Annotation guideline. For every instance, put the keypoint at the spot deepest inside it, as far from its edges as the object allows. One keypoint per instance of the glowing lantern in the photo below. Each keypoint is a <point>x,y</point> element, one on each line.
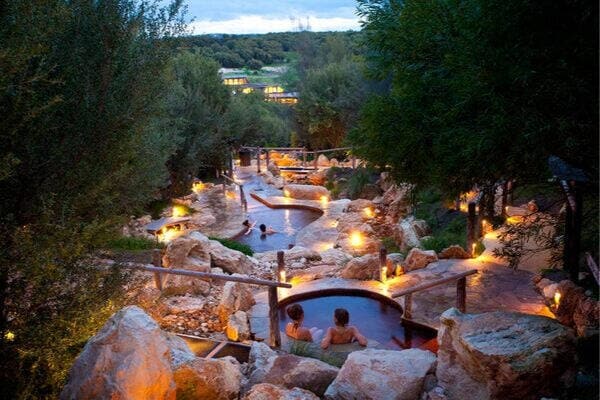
<point>368,212</point>
<point>179,211</point>
<point>324,199</point>
<point>230,195</point>
<point>286,193</point>
<point>197,187</point>
<point>9,336</point>
<point>557,296</point>
<point>282,275</point>
<point>356,239</point>
<point>473,246</point>
<point>399,270</point>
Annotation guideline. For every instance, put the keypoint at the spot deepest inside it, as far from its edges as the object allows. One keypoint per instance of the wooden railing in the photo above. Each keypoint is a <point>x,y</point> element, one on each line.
<point>315,153</point>
<point>243,200</point>
<point>272,286</point>
<point>461,291</point>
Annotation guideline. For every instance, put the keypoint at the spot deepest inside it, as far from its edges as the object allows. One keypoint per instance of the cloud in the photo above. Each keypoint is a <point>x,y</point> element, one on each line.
<point>259,24</point>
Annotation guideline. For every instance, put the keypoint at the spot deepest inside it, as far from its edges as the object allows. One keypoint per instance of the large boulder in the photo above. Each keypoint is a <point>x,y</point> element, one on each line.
<point>188,253</point>
<point>359,205</point>
<point>289,370</point>
<point>397,200</point>
<point>454,251</point>
<point>238,328</point>
<point>382,374</point>
<point>214,379</point>
<point>273,169</point>
<point>294,254</point>
<point>267,391</point>
<point>322,160</point>
<point>504,355</point>
<point>364,268</point>
<point>406,234</point>
<point>305,192</point>
<point>129,358</point>
<point>335,256</point>
<point>236,297</point>
<point>418,259</point>
<point>575,308</point>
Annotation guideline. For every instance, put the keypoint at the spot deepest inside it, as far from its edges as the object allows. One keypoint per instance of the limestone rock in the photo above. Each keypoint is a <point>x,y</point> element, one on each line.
<point>585,317</point>
<point>129,358</point>
<point>454,251</point>
<point>322,160</point>
<point>369,191</point>
<point>305,192</point>
<point>179,304</point>
<point>420,227</point>
<point>335,256</point>
<point>382,374</point>
<point>418,259</point>
<point>289,370</point>
<point>273,169</point>
<point>364,268</point>
<point>232,261</point>
<point>504,355</point>
<point>291,255</point>
<point>238,328</point>
<point>359,205</point>
<point>406,235</point>
<point>215,379</point>
<point>267,391</point>
<point>185,252</point>
<point>576,309</point>
<point>236,297</point>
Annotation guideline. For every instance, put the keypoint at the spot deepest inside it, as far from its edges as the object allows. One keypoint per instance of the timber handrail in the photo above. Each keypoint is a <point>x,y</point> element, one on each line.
<point>208,275</point>
<point>335,149</point>
<point>461,291</point>
<point>231,180</point>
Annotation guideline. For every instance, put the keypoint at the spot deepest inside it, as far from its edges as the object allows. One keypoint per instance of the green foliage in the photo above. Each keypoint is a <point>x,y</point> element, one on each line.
<point>84,143</point>
<point>232,244</point>
<point>133,244</point>
<point>480,90</point>
<point>357,182</point>
<point>390,244</point>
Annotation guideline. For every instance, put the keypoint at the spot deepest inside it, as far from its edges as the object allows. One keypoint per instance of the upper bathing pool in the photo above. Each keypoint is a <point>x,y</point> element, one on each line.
<point>286,222</point>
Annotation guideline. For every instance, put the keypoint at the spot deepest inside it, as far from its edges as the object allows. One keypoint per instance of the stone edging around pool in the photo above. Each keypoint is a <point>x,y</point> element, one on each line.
<point>259,314</point>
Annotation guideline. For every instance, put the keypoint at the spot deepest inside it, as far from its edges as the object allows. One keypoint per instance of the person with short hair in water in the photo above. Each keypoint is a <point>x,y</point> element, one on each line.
<point>295,330</point>
<point>341,333</point>
<point>266,231</point>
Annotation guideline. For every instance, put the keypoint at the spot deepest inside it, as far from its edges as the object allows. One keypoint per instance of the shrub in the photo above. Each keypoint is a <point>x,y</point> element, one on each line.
<point>390,244</point>
<point>232,244</point>
<point>133,244</point>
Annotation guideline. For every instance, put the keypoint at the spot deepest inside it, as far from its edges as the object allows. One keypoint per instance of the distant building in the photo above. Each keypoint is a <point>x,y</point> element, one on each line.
<point>284,97</point>
<point>235,80</point>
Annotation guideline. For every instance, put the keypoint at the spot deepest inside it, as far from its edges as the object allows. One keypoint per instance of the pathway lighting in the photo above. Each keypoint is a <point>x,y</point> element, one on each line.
<point>383,274</point>
<point>324,200</point>
<point>179,211</point>
<point>356,239</point>
<point>473,246</point>
<point>9,336</point>
<point>197,187</point>
<point>230,195</point>
<point>282,276</point>
<point>368,212</point>
<point>399,270</point>
<point>286,193</point>
<point>557,297</point>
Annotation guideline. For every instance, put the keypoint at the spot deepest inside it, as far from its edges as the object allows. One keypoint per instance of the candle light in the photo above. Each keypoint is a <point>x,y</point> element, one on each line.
<point>557,297</point>
<point>356,239</point>
<point>383,274</point>
<point>282,275</point>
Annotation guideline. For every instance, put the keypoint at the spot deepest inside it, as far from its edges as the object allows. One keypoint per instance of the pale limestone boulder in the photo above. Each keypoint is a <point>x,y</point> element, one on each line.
<point>334,162</point>
<point>322,160</point>
<point>455,251</point>
<point>214,379</point>
<point>273,169</point>
<point>236,296</point>
<point>129,358</point>
<point>363,268</point>
<point>576,309</point>
<point>188,252</point>
<point>406,235</point>
<point>418,259</point>
<point>397,200</point>
<point>382,374</point>
<point>231,261</point>
<point>305,192</point>
<point>294,254</point>
<point>238,328</point>
<point>336,257</point>
<point>181,304</point>
<point>504,355</point>
<point>267,391</point>
<point>359,205</point>
<point>289,370</point>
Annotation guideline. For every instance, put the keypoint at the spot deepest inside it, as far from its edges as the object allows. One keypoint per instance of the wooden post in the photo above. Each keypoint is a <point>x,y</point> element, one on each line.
<point>258,160</point>
<point>243,198</point>
<point>274,334</point>
<point>224,188</point>
<point>504,199</point>
<point>457,203</point>
<point>573,234</point>
<point>353,159</point>
<point>316,161</point>
<point>461,294</point>
<point>471,228</point>
<point>408,306</point>
<point>230,174</point>
<point>510,187</point>
<point>383,264</point>
<point>304,158</point>
<point>267,158</point>
<point>157,261</point>
<point>280,266</point>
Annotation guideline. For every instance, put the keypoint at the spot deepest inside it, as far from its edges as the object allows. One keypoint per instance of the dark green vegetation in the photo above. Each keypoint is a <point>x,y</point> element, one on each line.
<point>480,92</point>
<point>132,243</point>
<point>232,244</point>
<point>84,141</point>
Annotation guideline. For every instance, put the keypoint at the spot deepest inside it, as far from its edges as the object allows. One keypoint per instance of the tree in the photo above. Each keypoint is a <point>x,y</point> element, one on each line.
<point>481,90</point>
<point>330,99</point>
<point>82,145</point>
<point>197,102</point>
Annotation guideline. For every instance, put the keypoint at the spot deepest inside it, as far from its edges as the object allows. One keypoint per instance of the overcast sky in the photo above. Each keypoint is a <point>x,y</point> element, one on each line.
<point>262,16</point>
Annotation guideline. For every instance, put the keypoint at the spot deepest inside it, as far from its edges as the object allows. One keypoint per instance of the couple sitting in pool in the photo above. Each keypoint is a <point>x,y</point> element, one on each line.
<point>341,333</point>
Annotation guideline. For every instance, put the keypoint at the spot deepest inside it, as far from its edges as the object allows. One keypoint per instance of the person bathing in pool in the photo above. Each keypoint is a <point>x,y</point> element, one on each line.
<point>341,333</point>
<point>266,231</point>
<point>295,330</point>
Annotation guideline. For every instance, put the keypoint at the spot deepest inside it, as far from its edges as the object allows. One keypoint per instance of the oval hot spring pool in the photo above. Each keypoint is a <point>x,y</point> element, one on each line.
<point>376,317</point>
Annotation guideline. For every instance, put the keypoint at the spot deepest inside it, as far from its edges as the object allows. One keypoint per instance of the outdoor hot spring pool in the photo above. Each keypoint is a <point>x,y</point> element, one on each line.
<point>379,319</point>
